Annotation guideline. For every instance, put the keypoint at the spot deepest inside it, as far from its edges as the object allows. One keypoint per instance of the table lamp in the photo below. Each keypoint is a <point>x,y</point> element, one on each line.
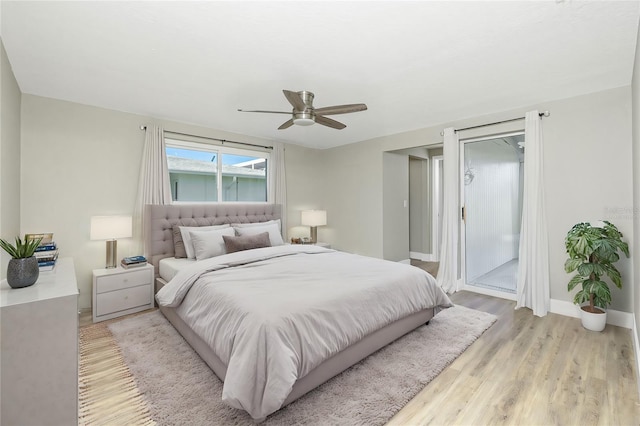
<point>314,218</point>
<point>109,228</point>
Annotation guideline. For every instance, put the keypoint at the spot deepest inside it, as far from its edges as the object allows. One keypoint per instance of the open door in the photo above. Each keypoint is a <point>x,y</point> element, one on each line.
<point>492,172</point>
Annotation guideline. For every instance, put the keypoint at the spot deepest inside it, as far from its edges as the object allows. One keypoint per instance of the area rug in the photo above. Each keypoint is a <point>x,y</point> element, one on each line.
<point>107,391</point>
<point>180,388</point>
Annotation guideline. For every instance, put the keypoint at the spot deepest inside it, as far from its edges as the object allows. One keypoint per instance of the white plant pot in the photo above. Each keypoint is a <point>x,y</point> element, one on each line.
<point>594,322</point>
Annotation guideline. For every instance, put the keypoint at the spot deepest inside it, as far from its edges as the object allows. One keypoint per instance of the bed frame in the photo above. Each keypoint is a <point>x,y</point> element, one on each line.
<point>159,221</point>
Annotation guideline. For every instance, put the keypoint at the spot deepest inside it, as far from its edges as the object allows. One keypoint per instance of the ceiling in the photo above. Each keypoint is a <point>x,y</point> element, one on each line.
<point>415,64</point>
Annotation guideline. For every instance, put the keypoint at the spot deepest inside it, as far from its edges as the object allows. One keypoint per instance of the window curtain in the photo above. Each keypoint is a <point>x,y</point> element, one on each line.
<point>153,182</point>
<point>447,277</point>
<point>279,183</point>
<point>533,272</point>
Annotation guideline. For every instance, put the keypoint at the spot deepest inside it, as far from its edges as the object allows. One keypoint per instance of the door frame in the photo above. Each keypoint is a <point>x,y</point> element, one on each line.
<point>463,231</point>
<point>436,206</point>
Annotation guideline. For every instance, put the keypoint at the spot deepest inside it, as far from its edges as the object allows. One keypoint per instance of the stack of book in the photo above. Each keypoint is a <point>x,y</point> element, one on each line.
<point>46,252</point>
<point>133,262</point>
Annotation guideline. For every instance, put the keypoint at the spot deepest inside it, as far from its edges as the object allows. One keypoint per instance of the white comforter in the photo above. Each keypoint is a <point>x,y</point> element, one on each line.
<point>273,314</point>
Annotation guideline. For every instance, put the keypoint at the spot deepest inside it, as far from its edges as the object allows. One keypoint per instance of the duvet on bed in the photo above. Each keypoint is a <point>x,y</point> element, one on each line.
<point>274,314</point>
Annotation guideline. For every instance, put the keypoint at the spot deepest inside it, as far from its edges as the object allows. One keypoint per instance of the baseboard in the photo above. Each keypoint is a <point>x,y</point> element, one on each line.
<point>422,256</point>
<point>568,309</point>
<point>407,261</point>
<point>636,346</point>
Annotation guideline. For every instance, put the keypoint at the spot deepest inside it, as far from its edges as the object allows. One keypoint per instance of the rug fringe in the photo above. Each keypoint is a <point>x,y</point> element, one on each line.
<point>108,393</point>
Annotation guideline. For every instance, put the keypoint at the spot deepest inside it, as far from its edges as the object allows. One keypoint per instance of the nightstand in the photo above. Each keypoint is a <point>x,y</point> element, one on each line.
<point>119,291</point>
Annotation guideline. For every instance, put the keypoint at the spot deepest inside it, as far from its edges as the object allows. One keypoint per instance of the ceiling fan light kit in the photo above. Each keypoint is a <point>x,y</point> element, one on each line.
<point>304,118</point>
<point>304,114</point>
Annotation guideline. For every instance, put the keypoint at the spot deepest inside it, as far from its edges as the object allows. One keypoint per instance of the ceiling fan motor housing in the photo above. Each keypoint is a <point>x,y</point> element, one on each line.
<point>307,98</point>
<point>306,117</point>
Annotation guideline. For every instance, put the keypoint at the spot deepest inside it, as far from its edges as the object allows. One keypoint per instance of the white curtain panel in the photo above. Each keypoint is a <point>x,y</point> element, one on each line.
<point>279,183</point>
<point>447,277</point>
<point>153,183</point>
<point>533,271</point>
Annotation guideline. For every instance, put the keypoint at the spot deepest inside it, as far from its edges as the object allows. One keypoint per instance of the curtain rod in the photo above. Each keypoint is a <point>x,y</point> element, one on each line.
<point>212,139</point>
<point>541,114</point>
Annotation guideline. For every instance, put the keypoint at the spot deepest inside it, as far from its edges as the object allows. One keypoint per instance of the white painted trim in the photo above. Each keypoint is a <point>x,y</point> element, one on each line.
<point>489,292</point>
<point>425,257</point>
<point>568,309</point>
<point>636,346</point>
<point>436,205</point>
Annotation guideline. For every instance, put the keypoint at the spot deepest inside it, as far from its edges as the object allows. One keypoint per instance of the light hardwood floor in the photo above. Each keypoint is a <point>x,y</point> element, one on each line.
<point>527,370</point>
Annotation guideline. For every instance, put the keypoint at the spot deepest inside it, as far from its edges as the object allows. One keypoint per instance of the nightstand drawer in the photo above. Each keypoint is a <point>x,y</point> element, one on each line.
<point>124,280</point>
<point>119,300</point>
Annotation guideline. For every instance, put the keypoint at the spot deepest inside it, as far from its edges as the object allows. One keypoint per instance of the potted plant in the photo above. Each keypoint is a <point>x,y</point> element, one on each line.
<point>593,251</point>
<point>22,270</point>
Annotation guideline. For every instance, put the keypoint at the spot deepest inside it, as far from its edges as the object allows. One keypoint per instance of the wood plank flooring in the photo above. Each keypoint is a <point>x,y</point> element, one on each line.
<point>527,370</point>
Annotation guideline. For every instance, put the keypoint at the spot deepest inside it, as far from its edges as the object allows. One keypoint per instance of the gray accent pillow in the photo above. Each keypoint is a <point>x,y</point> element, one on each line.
<point>272,228</point>
<point>246,242</point>
<point>178,245</point>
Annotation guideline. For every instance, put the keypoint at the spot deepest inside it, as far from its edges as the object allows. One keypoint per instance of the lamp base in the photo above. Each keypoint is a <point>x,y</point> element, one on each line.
<point>314,234</point>
<point>112,254</point>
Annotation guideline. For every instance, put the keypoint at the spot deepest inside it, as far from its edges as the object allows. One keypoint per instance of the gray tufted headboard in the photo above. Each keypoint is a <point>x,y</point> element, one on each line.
<point>159,221</point>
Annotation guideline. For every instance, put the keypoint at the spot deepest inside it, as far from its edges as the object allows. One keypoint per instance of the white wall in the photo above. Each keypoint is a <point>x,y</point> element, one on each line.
<point>10,98</point>
<point>636,188</point>
<point>588,176</point>
<point>588,173</point>
<point>80,161</point>
<point>395,193</point>
<point>352,176</point>
<point>306,189</point>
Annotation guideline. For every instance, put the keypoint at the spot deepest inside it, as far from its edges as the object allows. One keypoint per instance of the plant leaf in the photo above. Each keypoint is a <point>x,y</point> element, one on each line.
<point>577,279</point>
<point>572,264</point>
<point>20,249</point>
<point>586,269</point>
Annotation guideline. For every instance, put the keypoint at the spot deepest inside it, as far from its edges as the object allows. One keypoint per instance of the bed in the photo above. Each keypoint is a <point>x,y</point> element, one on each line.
<point>278,320</point>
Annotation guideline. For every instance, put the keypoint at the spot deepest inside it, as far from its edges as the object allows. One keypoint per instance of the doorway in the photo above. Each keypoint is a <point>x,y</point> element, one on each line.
<point>492,181</point>
<point>425,203</point>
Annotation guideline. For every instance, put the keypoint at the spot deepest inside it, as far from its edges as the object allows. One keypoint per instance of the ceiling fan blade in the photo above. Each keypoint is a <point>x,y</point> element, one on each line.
<point>270,112</point>
<point>341,109</point>
<point>286,124</point>
<point>329,122</point>
<point>295,100</point>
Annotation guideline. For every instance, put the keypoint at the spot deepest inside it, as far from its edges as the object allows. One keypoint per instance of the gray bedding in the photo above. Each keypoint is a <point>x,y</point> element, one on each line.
<point>272,315</point>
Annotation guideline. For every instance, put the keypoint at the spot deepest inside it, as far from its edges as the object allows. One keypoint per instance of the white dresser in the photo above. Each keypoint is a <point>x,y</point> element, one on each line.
<point>119,291</point>
<point>39,360</point>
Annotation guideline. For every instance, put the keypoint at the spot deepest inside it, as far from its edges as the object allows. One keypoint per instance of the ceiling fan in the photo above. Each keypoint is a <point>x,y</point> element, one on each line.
<point>304,114</point>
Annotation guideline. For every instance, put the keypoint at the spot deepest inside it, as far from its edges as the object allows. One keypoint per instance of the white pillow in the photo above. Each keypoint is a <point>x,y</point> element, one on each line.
<point>210,243</point>
<point>186,237</point>
<point>248,225</point>
<point>274,232</point>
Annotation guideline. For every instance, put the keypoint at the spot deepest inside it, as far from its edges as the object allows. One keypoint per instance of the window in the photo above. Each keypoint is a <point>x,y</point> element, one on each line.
<point>204,172</point>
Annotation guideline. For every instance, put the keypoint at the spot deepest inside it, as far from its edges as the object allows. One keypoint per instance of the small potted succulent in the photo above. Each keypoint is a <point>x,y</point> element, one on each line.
<point>22,270</point>
<point>593,251</point>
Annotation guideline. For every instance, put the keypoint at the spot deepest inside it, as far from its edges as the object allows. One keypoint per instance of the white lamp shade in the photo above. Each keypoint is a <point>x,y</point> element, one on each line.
<point>111,227</point>
<point>314,217</point>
